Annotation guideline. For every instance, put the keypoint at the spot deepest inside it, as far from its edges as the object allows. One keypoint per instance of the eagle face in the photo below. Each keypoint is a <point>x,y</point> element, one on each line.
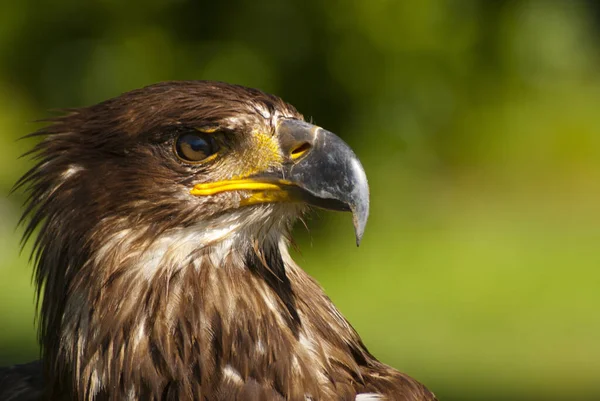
<point>193,154</point>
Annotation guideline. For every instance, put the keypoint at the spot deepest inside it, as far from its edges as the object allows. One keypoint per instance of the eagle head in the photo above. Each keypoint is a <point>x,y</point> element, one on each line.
<point>161,259</point>
<point>185,154</point>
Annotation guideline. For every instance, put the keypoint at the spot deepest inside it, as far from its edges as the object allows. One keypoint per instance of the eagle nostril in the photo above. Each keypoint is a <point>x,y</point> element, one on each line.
<point>300,150</point>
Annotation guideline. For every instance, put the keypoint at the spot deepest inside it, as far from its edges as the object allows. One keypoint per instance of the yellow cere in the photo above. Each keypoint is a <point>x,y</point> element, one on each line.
<point>261,155</point>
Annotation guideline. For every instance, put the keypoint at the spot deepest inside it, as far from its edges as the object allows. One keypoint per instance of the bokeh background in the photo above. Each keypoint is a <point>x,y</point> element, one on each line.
<point>478,125</point>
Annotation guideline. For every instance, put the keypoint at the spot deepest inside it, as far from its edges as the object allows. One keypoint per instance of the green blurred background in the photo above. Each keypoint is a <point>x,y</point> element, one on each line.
<point>478,125</point>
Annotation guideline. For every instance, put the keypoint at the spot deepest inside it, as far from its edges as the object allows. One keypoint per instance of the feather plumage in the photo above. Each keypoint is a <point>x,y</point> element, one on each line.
<point>149,294</point>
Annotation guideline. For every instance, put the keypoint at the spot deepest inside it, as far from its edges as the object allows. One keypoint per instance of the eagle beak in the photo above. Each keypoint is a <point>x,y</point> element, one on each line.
<point>326,170</point>
<point>319,169</point>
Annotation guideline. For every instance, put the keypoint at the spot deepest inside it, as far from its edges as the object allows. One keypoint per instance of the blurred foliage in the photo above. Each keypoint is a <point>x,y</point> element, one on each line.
<point>477,122</point>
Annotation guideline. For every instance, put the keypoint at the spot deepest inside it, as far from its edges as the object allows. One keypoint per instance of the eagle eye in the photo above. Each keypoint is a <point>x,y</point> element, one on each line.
<point>196,147</point>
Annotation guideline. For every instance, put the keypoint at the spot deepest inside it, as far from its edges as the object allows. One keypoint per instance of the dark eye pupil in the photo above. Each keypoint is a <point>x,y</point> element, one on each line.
<point>195,147</point>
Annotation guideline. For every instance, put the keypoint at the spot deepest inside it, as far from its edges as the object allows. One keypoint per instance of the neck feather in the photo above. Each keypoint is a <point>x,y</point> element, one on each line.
<point>186,313</point>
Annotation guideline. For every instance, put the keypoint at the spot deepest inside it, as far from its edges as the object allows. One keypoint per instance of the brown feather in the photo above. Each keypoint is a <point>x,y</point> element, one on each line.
<point>135,306</point>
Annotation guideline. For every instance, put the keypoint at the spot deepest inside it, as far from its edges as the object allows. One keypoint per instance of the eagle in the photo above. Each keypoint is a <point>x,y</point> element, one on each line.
<point>162,222</point>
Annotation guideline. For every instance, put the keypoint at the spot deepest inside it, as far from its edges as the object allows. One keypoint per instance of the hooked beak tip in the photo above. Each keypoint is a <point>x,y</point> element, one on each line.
<point>360,217</point>
<point>360,204</point>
